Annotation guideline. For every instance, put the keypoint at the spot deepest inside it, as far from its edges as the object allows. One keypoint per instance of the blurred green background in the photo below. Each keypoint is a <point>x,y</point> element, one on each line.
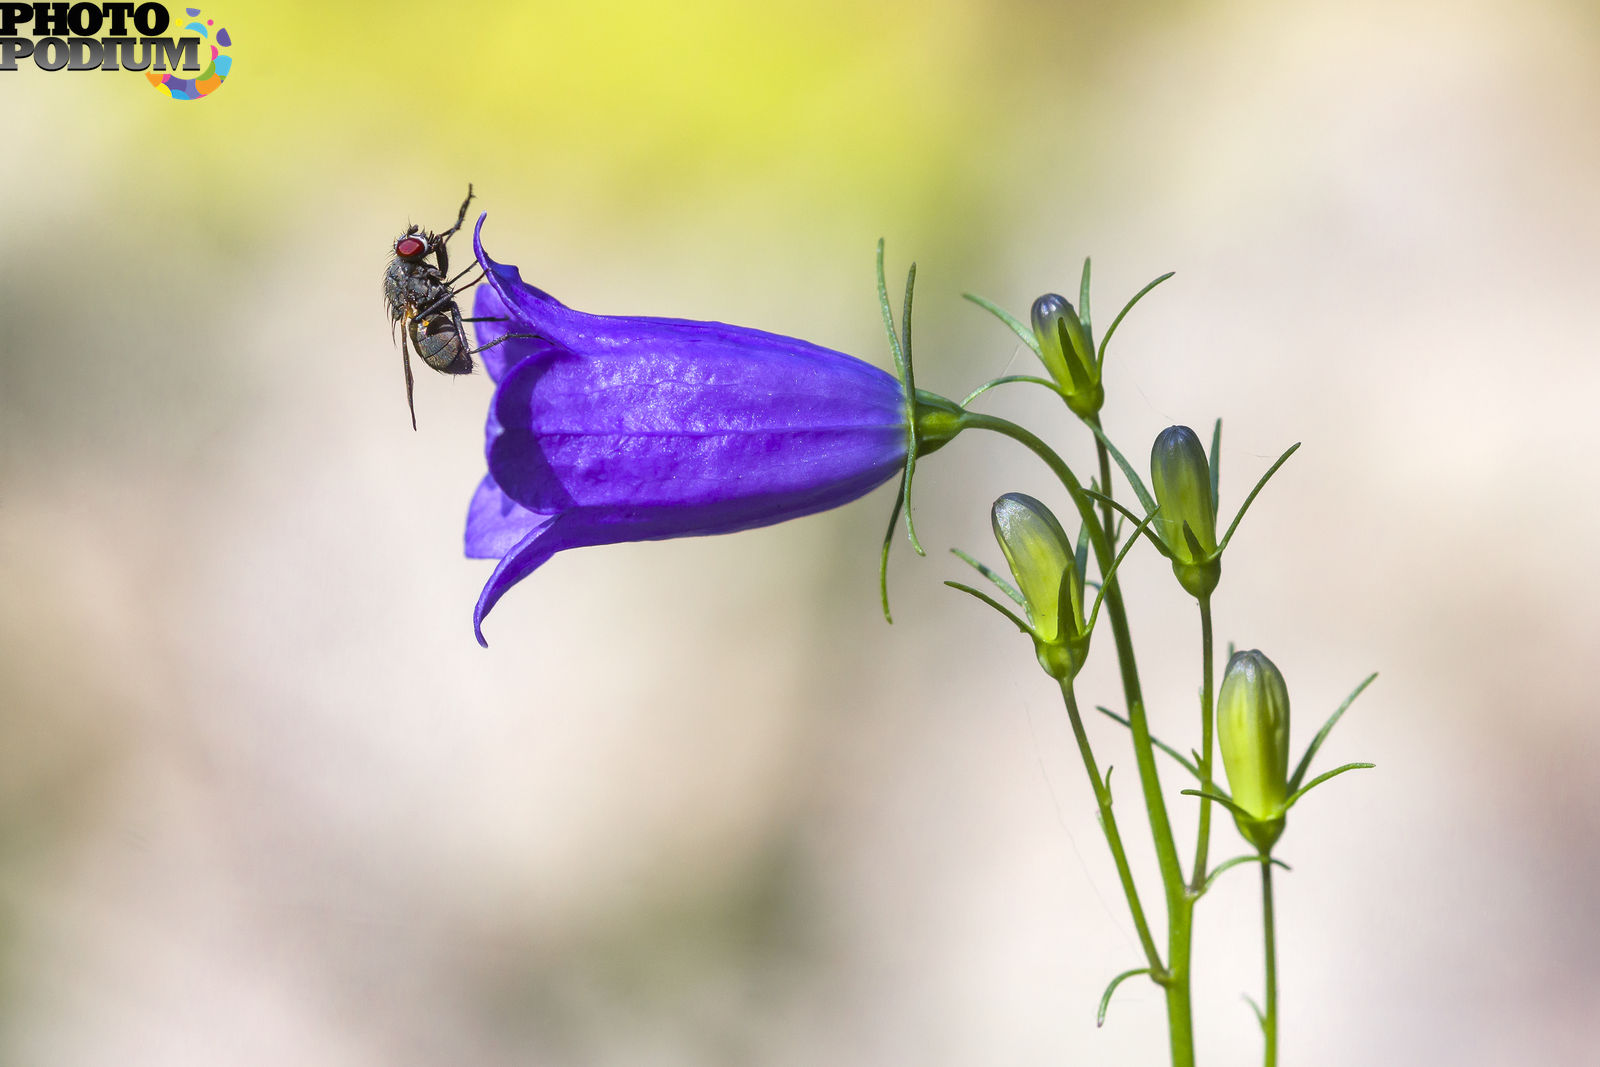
<point>263,800</point>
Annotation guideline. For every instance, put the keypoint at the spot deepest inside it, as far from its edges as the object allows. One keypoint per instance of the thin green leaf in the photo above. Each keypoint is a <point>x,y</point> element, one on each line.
<point>1252,497</point>
<point>1294,797</point>
<point>1105,579</point>
<point>910,380</point>
<point>993,603</point>
<point>1216,469</point>
<point>1005,587</point>
<point>888,539</point>
<point>1083,296</point>
<point>1261,1016</point>
<point>1128,472</point>
<point>1162,745</point>
<point>888,321</point>
<point>1322,734</point>
<point>1105,999</point>
<point>1225,801</point>
<point>1153,539</point>
<point>1007,380</point>
<point>1010,320</point>
<point>1080,558</point>
<point>1212,877</point>
<point>1106,342</point>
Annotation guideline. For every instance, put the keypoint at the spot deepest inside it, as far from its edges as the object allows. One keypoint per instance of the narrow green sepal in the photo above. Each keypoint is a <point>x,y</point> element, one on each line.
<point>888,540</point>
<point>1323,777</point>
<point>1221,798</point>
<point>1128,472</point>
<point>993,603</point>
<point>1236,861</point>
<point>989,572</point>
<point>1105,999</point>
<point>1017,326</point>
<point>1011,379</point>
<point>1083,306</point>
<point>1252,497</point>
<point>1106,341</point>
<point>1216,470</point>
<point>1182,761</point>
<point>1322,734</point>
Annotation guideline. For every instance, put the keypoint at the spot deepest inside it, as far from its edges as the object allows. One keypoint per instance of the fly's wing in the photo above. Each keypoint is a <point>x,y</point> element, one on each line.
<point>405,361</point>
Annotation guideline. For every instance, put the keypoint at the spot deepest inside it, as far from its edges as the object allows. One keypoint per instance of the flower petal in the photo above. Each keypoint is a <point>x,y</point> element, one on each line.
<point>691,425</point>
<point>495,522</point>
<point>487,305</point>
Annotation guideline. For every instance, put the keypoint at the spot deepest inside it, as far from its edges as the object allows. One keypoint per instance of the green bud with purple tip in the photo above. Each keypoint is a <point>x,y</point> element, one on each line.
<point>1181,480</point>
<point>1068,353</point>
<point>1253,733</point>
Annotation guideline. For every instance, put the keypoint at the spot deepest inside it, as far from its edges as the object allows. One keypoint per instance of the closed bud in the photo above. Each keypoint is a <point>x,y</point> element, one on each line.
<point>1041,560</point>
<point>1253,732</point>
<point>1181,479</point>
<point>1067,353</point>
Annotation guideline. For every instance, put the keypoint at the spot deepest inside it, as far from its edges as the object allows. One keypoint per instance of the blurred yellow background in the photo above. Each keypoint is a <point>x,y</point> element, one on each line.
<point>263,800</point>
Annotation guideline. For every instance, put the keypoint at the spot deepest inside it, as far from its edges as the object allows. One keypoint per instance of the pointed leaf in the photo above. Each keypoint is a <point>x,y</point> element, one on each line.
<point>1216,469</point>
<point>1261,1016</point>
<point>1105,1000</point>
<point>888,539</point>
<point>1225,801</point>
<point>1251,498</point>
<point>1007,380</point>
<point>1083,296</point>
<point>1252,858</point>
<point>1017,327</point>
<point>1149,534</point>
<point>1322,734</point>
<point>1162,745</point>
<point>1080,558</point>
<point>1294,797</point>
<point>888,321</point>
<point>994,576</point>
<point>1128,472</point>
<point>1133,539</point>
<point>1106,342</point>
<point>993,603</point>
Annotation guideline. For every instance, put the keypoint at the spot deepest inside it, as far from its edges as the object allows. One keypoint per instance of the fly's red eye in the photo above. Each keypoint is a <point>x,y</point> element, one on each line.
<point>409,247</point>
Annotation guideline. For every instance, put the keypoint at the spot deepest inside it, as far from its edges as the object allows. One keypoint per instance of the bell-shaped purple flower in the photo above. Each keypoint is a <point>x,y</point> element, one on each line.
<point>605,429</point>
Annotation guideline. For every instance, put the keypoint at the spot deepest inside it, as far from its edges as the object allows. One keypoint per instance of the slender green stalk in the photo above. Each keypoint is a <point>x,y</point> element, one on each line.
<point>1108,823</point>
<point>1180,905</point>
<point>1106,513</point>
<point>1269,1022</point>
<point>1197,879</point>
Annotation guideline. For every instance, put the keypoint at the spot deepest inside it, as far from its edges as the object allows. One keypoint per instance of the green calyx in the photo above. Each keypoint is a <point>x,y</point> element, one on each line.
<point>1043,562</point>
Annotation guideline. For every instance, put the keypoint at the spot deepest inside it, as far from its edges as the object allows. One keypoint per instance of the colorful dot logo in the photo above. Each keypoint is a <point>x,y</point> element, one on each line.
<point>209,80</point>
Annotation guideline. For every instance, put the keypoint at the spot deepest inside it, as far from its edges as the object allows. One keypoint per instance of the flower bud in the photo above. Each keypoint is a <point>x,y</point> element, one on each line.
<point>1181,478</point>
<point>1067,353</point>
<point>1041,559</point>
<point>1253,732</point>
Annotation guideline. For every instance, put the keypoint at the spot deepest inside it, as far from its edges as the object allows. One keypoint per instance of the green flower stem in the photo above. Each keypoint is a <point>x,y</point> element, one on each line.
<point>1106,513</point>
<point>1269,1022</point>
<point>1207,715</point>
<point>1180,905</point>
<point>1108,823</point>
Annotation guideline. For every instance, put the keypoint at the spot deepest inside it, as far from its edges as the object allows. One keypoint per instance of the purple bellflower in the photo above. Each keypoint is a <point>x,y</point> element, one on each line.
<point>607,428</point>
